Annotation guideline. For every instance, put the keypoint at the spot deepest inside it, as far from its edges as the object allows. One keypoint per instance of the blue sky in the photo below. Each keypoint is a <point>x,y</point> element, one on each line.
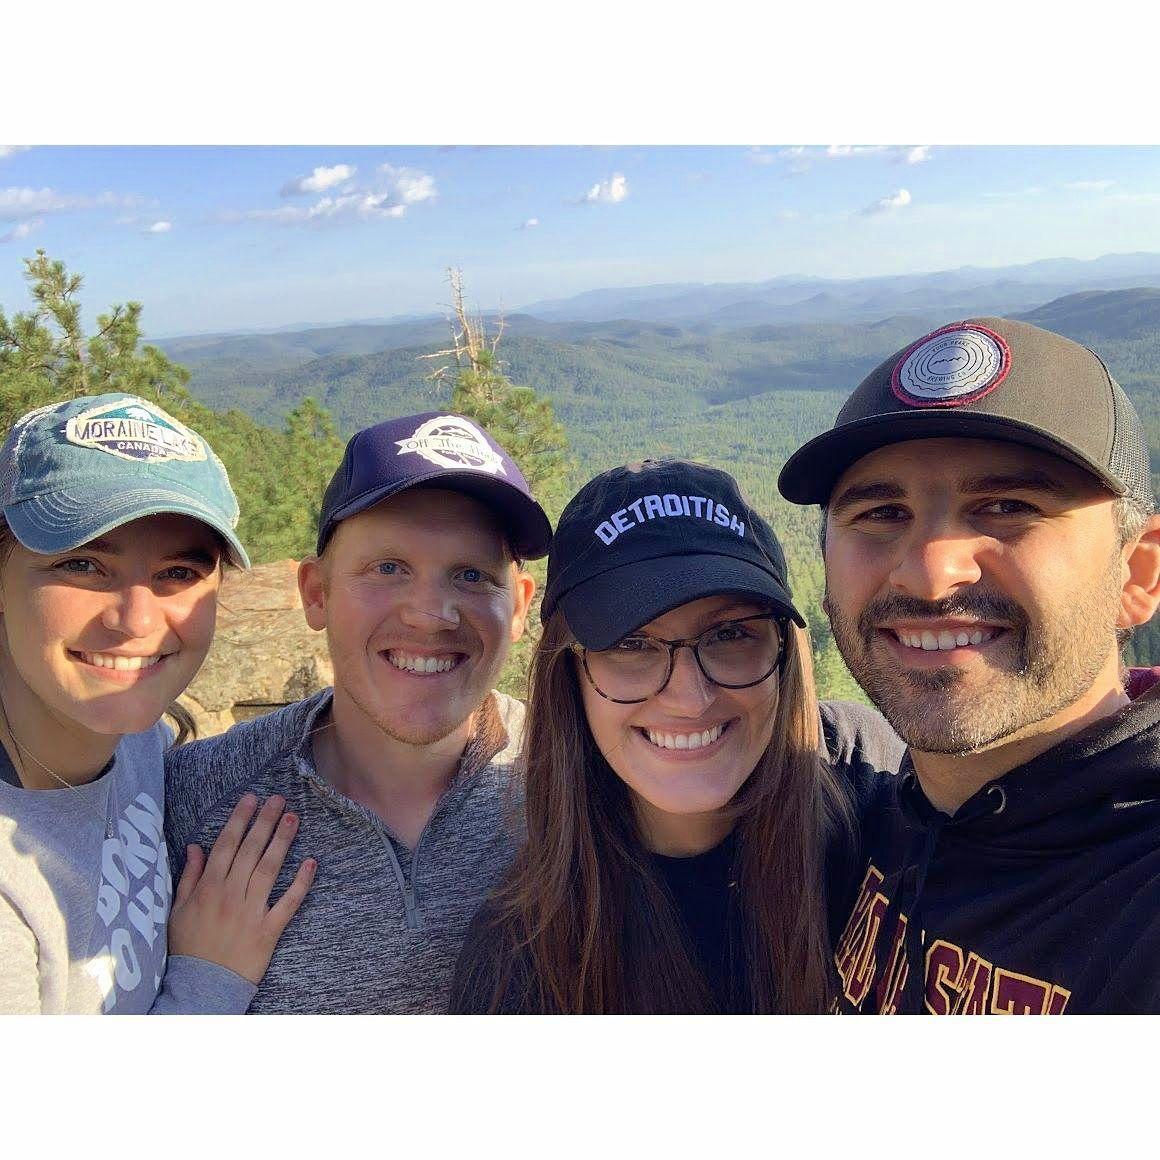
<point>220,239</point>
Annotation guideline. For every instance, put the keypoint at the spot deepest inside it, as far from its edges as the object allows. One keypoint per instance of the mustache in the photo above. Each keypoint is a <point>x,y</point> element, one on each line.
<point>987,606</point>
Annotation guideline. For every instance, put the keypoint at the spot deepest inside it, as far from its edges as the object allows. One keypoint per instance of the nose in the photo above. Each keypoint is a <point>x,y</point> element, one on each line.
<point>936,560</point>
<point>689,692</point>
<point>133,611</point>
<point>429,607</point>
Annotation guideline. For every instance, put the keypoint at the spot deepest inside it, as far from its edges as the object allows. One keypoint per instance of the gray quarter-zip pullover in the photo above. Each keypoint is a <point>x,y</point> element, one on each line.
<point>382,926</point>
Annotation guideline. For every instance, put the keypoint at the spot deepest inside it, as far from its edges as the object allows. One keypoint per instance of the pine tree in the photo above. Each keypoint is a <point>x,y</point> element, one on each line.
<point>45,357</point>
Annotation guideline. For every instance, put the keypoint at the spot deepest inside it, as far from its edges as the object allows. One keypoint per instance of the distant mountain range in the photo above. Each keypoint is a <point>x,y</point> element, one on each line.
<point>702,309</point>
<point>951,293</point>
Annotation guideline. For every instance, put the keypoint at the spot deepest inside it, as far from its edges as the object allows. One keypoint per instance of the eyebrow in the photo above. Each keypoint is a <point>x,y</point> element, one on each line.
<point>863,492</point>
<point>111,548</point>
<point>1032,480</point>
<point>1026,480</point>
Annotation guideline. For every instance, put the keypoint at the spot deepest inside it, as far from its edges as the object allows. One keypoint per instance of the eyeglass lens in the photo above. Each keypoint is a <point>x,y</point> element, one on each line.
<point>735,654</point>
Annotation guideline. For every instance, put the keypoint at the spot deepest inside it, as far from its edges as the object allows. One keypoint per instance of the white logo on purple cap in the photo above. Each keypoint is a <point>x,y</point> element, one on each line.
<point>451,442</point>
<point>953,366</point>
<point>135,430</point>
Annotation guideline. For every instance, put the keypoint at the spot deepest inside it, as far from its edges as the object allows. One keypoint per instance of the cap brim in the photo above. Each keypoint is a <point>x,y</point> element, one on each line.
<point>810,474</point>
<point>60,521</point>
<point>526,524</point>
<point>602,610</point>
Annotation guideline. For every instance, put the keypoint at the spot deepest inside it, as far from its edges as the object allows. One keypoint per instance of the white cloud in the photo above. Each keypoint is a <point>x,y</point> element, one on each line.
<point>20,202</point>
<point>903,154</point>
<point>389,195</point>
<point>357,206</point>
<point>611,191</point>
<point>915,154</point>
<point>21,230</point>
<point>407,186</point>
<point>1089,186</point>
<point>757,155</point>
<point>160,228</point>
<point>886,204</point>
<point>853,150</point>
<point>530,224</point>
<point>12,150</point>
<point>17,202</point>
<point>320,179</point>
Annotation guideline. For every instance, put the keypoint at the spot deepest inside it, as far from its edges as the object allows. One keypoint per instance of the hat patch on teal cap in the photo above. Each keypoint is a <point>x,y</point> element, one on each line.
<point>451,442</point>
<point>136,430</point>
<point>956,365</point>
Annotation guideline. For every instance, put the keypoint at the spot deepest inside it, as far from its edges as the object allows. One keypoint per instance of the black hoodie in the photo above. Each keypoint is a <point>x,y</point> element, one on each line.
<point>1041,894</point>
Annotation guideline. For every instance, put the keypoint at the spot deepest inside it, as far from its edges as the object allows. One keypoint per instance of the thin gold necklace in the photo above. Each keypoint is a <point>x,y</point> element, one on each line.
<point>105,818</point>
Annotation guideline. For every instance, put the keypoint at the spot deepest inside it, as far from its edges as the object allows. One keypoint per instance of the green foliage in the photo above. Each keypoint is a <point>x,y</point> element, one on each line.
<point>45,357</point>
<point>742,400</point>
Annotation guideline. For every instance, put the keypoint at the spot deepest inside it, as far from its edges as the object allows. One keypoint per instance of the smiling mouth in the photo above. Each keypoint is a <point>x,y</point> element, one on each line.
<point>944,640</point>
<point>411,663</point>
<point>121,664</point>
<point>663,739</point>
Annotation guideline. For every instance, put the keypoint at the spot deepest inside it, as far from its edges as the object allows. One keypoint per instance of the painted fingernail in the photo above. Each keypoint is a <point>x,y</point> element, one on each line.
<point>290,820</point>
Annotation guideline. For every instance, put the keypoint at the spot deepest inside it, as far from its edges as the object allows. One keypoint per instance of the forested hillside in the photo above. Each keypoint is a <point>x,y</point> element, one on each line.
<point>742,399</point>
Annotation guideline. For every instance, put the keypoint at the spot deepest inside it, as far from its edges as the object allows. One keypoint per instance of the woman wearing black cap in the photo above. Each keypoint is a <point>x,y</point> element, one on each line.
<point>679,813</point>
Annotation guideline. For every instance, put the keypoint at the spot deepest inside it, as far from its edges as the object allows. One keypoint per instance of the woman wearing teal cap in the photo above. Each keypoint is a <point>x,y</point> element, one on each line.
<point>116,522</point>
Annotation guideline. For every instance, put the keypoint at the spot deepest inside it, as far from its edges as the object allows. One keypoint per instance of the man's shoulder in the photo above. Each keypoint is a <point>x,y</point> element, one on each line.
<point>200,773</point>
<point>262,736</point>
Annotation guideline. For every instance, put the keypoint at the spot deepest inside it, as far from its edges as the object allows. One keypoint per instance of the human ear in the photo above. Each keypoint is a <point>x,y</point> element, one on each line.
<point>525,588</point>
<point>312,589</point>
<point>1140,594</point>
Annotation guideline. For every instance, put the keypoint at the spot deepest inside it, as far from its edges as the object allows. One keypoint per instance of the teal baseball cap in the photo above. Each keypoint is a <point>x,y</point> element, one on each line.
<point>73,471</point>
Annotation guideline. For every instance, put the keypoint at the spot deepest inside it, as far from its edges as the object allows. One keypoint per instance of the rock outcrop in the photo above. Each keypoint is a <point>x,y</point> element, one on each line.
<point>264,654</point>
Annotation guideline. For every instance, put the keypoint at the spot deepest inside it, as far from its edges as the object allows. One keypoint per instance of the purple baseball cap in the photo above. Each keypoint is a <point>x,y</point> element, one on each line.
<point>435,449</point>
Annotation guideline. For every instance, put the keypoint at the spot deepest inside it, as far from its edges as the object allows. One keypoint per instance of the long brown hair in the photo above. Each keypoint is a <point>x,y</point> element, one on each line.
<point>582,905</point>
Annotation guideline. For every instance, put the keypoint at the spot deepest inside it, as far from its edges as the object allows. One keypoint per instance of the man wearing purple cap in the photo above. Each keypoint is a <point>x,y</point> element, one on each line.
<point>402,775</point>
<point>990,543</point>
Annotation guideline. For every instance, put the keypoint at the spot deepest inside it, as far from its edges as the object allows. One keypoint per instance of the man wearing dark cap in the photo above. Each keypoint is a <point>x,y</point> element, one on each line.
<point>402,775</point>
<point>990,542</point>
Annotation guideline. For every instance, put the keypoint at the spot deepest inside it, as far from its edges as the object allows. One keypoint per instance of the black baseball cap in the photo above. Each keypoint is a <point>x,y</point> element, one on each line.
<point>985,378</point>
<point>437,450</point>
<point>640,540</point>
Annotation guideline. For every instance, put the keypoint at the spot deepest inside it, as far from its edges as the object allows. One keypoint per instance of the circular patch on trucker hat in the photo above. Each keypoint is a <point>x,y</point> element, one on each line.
<point>952,367</point>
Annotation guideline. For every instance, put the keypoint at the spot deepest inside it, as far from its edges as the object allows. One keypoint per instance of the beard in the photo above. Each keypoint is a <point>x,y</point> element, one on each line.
<point>1043,667</point>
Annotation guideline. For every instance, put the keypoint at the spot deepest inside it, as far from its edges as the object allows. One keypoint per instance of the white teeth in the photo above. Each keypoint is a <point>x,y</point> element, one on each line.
<point>941,641</point>
<point>121,664</point>
<point>410,664</point>
<point>685,740</point>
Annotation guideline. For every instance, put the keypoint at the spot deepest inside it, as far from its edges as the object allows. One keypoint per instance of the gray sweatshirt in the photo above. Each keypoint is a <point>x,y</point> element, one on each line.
<point>85,891</point>
<point>382,926</point>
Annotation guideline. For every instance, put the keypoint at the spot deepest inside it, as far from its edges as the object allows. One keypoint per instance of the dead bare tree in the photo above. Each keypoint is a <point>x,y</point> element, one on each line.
<point>471,347</point>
